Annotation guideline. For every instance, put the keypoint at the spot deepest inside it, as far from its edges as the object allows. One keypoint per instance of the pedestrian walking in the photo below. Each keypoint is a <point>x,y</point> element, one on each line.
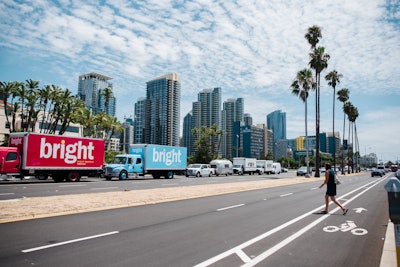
<point>331,189</point>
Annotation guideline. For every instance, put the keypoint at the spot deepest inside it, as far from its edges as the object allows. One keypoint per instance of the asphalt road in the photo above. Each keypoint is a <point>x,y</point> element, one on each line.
<point>269,227</point>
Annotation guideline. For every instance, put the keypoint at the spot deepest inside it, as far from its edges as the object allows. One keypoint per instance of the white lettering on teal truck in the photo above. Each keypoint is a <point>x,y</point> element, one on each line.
<point>169,158</point>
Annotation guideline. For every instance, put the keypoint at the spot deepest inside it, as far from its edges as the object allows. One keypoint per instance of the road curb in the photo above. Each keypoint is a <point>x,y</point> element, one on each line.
<point>388,258</point>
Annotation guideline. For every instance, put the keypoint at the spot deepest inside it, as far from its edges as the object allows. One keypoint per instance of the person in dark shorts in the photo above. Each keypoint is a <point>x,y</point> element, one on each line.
<point>331,189</point>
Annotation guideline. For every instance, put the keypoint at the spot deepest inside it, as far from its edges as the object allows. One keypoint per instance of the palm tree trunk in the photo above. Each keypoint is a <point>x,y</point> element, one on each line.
<point>343,151</point>
<point>333,128</point>
<point>317,129</point>
<point>348,148</point>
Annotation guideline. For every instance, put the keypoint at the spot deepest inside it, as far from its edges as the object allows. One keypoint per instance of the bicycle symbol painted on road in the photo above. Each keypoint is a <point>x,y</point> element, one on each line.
<point>345,227</point>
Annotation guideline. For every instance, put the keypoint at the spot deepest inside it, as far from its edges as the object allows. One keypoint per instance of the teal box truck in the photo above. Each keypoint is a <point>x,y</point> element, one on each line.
<point>156,160</point>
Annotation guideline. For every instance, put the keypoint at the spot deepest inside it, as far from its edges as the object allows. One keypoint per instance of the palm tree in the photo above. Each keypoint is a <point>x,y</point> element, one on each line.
<point>333,79</point>
<point>343,96</point>
<point>301,86</point>
<point>31,98</point>
<point>347,108</point>
<point>6,89</point>
<point>318,62</point>
<point>313,34</point>
<point>45,94</point>
<point>353,115</point>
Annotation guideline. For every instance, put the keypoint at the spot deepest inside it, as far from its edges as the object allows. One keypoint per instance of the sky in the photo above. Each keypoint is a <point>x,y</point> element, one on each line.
<point>250,49</point>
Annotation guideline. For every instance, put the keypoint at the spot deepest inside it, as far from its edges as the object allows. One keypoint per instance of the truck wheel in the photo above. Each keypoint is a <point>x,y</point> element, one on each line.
<point>73,176</point>
<point>169,175</point>
<point>42,177</point>
<point>123,175</point>
<point>108,178</point>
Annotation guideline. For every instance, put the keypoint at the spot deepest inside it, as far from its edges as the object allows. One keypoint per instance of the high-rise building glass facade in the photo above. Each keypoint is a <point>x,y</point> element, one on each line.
<point>276,121</point>
<point>163,110</point>
<point>232,111</point>
<point>206,112</point>
<point>187,133</point>
<point>91,90</point>
<point>139,121</point>
<point>126,138</point>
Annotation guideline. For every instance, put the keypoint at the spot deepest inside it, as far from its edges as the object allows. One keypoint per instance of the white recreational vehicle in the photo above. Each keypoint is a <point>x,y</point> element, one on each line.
<point>222,167</point>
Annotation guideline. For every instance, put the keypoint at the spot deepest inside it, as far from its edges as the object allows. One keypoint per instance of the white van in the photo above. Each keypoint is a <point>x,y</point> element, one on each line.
<point>277,169</point>
<point>222,167</point>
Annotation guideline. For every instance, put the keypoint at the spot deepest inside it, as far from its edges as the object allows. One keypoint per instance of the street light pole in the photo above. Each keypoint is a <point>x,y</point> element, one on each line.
<point>237,145</point>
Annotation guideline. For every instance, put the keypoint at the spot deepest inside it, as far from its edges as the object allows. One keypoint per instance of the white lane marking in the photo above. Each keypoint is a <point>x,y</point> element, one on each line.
<point>6,194</point>
<point>230,207</point>
<point>288,240</point>
<point>243,256</point>
<point>69,242</point>
<point>285,195</point>
<point>267,253</point>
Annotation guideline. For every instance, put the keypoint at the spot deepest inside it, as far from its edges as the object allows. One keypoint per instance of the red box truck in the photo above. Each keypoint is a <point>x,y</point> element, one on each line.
<point>56,156</point>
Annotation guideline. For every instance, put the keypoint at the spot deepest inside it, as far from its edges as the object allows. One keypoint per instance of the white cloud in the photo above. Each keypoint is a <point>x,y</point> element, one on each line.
<point>251,49</point>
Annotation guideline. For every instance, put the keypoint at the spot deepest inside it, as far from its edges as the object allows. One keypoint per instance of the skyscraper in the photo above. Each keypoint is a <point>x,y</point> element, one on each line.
<point>276,121</point>
<point>187,132</point>
<point>91,90</point>
<point>139,121</point>
<point>232,111</point>
<point>163,110</point>
<point>206,111</point>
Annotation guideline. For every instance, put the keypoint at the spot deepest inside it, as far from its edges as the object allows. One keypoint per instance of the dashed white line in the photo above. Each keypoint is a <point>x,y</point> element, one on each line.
<point>285,195</point>
<point>230,207</point>
<point>69,242</point>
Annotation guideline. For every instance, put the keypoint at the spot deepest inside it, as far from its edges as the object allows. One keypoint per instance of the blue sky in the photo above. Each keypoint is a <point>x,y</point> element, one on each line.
<point>251,49</point>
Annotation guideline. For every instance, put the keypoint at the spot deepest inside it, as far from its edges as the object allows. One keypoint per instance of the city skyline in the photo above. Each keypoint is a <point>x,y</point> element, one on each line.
<point>251,50</point>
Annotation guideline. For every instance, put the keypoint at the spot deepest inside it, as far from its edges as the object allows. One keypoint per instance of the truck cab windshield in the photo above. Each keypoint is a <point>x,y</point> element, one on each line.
<point>119,160</point>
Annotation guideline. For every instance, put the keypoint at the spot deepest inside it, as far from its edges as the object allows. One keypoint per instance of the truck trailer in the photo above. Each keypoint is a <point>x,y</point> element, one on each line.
<point>142,159</point>
<point>244,165</point>
<point>56,156</point>
<point>265,166</point>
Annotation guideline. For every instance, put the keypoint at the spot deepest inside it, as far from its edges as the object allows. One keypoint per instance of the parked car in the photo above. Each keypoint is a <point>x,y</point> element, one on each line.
<point>377,172</point>
<point>199,170</point>
<point>285,170</point>
<point>302,171</point>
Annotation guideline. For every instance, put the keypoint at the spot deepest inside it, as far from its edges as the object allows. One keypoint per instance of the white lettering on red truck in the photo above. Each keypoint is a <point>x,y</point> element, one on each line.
<point>69,152</point>
<point>167,157</point>
<point>16,141</point>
